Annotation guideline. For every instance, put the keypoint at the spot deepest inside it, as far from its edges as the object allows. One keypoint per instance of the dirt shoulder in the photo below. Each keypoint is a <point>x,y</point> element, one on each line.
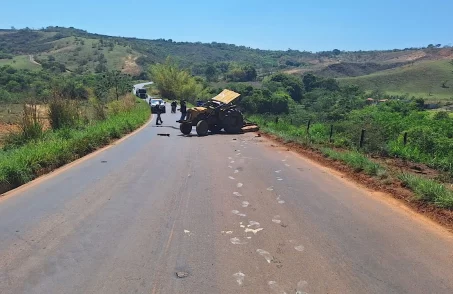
<point>391,186</point>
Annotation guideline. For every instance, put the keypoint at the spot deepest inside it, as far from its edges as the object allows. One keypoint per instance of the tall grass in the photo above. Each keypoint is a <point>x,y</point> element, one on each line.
<point>20,165</point>
<point>429,190</point>
<point>358,161</point>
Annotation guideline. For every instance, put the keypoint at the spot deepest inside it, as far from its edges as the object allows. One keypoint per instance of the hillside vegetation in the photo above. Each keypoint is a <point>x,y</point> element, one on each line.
<point>432,80</point>
<point>419,72</point>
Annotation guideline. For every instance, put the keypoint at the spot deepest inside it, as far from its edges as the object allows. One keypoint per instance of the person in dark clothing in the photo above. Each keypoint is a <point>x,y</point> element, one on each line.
<point>158,112</point>
<point>174,104</point>
<point>183,110</point>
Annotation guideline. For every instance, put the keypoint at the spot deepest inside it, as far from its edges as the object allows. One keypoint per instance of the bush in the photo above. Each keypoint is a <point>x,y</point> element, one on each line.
<point>63,113</point>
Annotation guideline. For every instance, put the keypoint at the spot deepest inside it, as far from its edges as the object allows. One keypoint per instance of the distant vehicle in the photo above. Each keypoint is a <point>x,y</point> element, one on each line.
<point>154,103</point>
<point>141,93</point>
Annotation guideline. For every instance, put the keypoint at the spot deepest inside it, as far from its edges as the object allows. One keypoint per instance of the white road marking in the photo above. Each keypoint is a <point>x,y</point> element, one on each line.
<point>239,278</point>
<point>245,204</point>
<point>237,154</point>
<point>283,160</point>
<point>278,171</point>
<point>232,161</point>
<point>235,211</point>
<point>237,241</point>
<point>299,248</point>
<point>265,254</point>
<point>287,164</point>
<point>230,166</point>
<point>236,171</point>
<point>231,178</point>
<point>271,188</point>
<point>276,219</point>
<point>279,179</point>
<point>237,194</point>
<point>300,287</point>
<point>239,185</point>
<point>227,232</point>
<point>230,158</point>
<point>249,237</point>
<point>276,289</point>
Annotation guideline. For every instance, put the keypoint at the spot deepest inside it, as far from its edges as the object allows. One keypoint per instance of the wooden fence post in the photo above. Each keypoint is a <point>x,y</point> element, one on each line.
<point>308,127</point>
<point>362,138</point>
<point>405,138</point>
<point>331,133</point>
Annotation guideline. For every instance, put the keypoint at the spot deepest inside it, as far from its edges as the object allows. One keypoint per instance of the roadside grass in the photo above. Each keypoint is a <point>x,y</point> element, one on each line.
<point>428,190</point>
<point>423,79</point>
<point>425,189</point>
<point>358,161</point>
<point>23,164</point>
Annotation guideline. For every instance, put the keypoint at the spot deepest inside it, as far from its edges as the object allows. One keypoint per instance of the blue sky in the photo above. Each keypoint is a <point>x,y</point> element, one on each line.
<point>304,25</point>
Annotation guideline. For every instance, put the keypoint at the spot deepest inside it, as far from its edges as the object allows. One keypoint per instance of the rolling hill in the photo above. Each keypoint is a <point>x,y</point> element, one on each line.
<point>424,79</point>
<point>416,71</point>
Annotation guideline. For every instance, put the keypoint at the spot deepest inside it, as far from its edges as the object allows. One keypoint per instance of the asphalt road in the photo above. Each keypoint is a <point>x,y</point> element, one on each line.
<point>228,213</point>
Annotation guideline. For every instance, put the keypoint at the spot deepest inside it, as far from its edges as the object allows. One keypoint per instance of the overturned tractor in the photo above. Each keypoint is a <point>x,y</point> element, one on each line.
<point>216,114</point>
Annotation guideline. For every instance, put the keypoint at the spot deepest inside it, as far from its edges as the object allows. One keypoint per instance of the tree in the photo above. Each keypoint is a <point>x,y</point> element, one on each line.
<point>309,81</point>
<point>120,83</point>
<point>174,83</point>
<point>336,52</point>
<point>211,73</point>
<point>286,82</point>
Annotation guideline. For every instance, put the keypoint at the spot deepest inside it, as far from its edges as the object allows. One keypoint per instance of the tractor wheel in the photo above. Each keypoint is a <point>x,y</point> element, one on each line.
<point>233,121</point>
<point>185,128</point>
<point>202,128</point>
<point>215,129</point>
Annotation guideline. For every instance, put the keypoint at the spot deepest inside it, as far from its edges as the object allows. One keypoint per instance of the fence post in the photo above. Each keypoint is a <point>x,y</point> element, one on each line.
<point>362,138</point>
<point>308,127</point>
<point>276,119</point>
<point>405,138</point>
<point>291,121</point>
<point>331,133</point>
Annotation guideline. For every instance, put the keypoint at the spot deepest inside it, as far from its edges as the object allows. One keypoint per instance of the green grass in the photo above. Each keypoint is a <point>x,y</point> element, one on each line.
<point>71,52</point>
<point>416,80</point>
<point>20,62</point>
<point>23,164</point>
<point>429,190</point>
<point>358,161</point>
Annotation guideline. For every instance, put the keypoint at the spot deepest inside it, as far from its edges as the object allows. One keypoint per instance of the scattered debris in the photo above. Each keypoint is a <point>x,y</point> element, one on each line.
<point>182,275</point>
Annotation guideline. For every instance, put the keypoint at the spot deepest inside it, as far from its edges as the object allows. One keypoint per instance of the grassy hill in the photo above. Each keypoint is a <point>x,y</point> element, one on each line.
<point>416,71</point>
<point>423,79</point>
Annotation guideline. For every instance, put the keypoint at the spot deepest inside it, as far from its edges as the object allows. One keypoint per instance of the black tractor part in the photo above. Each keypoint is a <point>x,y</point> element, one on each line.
<point>233,121</point>
<point>185,128</point>
<point>202,128</point>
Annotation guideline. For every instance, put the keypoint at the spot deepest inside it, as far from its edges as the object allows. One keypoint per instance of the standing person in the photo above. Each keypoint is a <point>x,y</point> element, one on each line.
<point>158,112</point>
<point>173,106</point>
<point>183,110</point>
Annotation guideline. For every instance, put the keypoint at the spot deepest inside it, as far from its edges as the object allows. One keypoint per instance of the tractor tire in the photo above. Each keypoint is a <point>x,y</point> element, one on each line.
<point>233,122</point>
<point>185,128</point>
<point>202,128</point>
<point>215,129</point>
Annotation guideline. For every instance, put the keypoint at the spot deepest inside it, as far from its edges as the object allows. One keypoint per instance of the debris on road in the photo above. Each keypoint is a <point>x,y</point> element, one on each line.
<point>182,275</point>
<point>164,135</point>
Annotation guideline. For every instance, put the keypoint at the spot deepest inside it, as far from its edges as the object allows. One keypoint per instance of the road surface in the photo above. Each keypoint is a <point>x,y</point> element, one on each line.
<point>215,214</point>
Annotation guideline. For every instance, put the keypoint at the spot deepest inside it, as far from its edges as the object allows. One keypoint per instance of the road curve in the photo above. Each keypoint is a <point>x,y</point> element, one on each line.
<point>215,214</point>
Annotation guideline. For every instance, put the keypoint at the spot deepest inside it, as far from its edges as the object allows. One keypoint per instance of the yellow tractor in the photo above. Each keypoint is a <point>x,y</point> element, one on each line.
<point>216,114</point>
